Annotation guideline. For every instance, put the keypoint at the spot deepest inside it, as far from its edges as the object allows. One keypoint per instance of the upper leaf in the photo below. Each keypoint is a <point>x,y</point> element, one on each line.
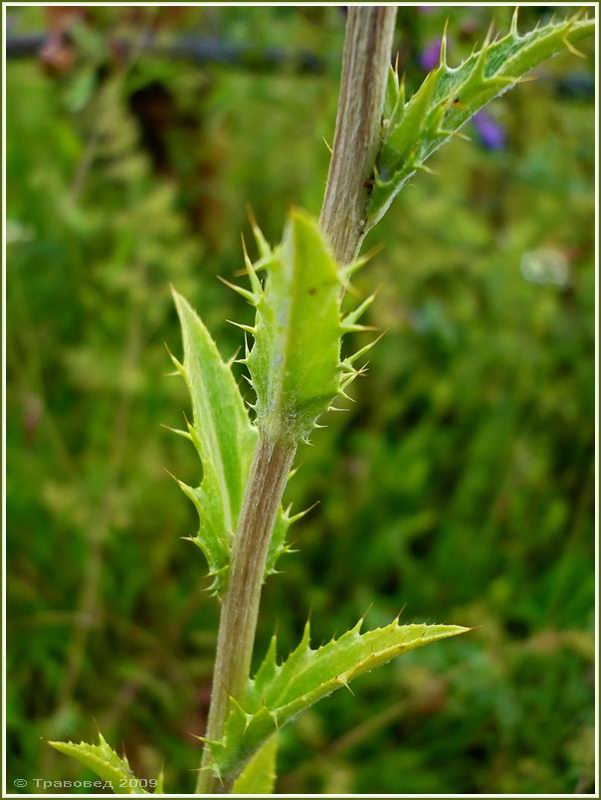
<point>104,761</point>
<point>295,361</point>
<point>295,364</point>
<point>279,692</point>
<point>223,436</point>
<point>449,97</point>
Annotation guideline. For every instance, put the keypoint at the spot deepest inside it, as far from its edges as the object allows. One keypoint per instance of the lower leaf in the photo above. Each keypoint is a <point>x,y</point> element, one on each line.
<point>106,763</point>
<point>258,777</point>
<point>280,692</point>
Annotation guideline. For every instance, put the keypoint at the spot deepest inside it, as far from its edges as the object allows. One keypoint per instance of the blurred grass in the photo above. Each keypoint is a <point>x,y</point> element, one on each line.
<point>460,485</point>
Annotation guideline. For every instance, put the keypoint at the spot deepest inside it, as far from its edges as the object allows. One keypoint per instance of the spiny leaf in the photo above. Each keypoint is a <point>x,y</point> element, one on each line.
<point>225,440</point>
<point>294,362</point>
<point>277,543</point>
<point>279,692</point>
<point>223,436</point>
<point>295,365</point>
<point>258,777</point>
<point>449,97</point>
<point>105,762</point>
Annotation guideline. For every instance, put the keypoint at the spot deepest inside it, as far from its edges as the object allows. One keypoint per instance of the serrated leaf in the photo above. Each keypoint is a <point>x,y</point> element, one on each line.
<point>225,440</point>
<point>279,692</point>
<point>223,436</point>
<point>277,543</point>
<point>449,97</point>
<point>258,777</point>
<point>104,762</point>
<point>295,369</point>
<point>294,364</point>
<point>295,360</point>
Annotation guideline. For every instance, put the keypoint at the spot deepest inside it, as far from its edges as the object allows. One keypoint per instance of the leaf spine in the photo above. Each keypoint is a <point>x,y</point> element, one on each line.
<point>178,432</point>
<point>442,62</point>
<point>245,293</point>
<point>247,328</point>
<point>514,23</point>
<point>574,50</point>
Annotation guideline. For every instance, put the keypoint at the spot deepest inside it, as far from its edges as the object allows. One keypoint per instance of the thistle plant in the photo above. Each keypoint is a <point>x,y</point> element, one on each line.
<point>299,364</point>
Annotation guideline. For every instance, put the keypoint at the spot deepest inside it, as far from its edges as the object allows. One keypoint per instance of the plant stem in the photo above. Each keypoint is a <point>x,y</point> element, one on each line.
<point>238,623</point>
<point>367,47</point>
<point>365,62</point>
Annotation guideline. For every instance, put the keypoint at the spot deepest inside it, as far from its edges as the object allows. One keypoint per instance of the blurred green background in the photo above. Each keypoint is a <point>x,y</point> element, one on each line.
<point>461,484</point>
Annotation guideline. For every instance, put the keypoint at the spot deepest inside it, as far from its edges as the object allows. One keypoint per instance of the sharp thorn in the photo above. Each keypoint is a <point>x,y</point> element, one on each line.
<point>514,22</point>
<point>247,328</point>
<point>342,393</point>
<point>234,358</point>
<point>459,134</point>
<point>573,50</point>
<point>429,170</point>
<point>245,293</point>
<point>443,45</point>
<point>261,242</point>
<point>352,358</point>
<point>178,364</point>
<point>178,432</point>
<point>356,314</point>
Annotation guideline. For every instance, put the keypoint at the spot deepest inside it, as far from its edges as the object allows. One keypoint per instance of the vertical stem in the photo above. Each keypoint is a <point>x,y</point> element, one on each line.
<point>238,623</point>
<point>366,57</point>
<point>365,63</point>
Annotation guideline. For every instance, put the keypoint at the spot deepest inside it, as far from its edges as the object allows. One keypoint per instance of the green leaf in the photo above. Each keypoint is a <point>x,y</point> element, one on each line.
<point>258,777</point>
<point>277,544</point>
<point>449,97</point>
<point>225,440</point>
<point>295,364</point>
<point>295,361</point>
<point>105,762</point>
<point>223,436</point>
<point>279,692</point>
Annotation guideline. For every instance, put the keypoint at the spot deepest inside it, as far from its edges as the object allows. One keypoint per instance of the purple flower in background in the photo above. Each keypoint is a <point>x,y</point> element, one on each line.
<point>430,55</point>
<point>426,9</point>
<point>490,132</point>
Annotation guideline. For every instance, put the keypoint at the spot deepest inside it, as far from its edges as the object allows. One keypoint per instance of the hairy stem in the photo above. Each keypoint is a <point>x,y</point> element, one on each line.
<point>365,63</point>
<point>366,56</point>
<point>238,623</point>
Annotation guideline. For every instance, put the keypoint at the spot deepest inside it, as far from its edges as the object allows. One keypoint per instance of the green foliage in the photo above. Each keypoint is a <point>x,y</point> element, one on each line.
<point>280,692</point>
<point>223,437</point>
<point>225,440</point>
<point>450,96</point>
<point>461,479</point>
<point>295,364</point>
<point>105,762</point>
<point>258,776</point>
<point>296,371</point>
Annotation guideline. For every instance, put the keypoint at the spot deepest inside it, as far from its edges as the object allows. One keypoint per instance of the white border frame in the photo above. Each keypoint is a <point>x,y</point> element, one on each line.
<point>591,5</point>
